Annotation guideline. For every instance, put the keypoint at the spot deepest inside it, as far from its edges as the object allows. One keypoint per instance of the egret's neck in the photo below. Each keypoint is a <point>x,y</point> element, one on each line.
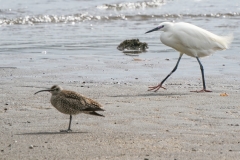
<point>167,39</point>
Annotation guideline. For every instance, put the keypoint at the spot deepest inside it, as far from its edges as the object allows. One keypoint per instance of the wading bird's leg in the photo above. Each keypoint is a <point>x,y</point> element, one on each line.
<point>68,130</point>
<point>156,88</point>
<point>203,79</point>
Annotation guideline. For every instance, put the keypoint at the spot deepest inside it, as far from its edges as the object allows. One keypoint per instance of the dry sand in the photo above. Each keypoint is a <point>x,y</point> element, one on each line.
<point>168,124</point>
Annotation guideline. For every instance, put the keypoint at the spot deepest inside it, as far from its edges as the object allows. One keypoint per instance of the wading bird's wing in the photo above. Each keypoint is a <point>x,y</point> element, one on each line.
<point>79,102</point>
<point>198,40</point>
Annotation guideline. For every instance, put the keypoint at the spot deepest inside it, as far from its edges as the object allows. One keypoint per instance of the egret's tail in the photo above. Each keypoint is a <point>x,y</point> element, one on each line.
<point>227,40</point>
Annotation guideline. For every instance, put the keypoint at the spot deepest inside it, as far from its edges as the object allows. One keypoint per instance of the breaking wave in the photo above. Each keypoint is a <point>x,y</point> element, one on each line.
<point>31,20</point>
<point>129,5</point>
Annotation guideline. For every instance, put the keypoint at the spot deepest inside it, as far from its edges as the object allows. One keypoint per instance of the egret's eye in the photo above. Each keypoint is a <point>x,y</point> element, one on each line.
<point>162,26</point>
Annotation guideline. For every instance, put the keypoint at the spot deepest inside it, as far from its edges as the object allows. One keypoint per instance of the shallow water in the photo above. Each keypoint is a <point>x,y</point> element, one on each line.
<point>43,29</point>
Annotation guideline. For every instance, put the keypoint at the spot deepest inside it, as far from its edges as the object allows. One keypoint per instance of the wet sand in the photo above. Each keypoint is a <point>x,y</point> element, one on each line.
<point>138,124</point>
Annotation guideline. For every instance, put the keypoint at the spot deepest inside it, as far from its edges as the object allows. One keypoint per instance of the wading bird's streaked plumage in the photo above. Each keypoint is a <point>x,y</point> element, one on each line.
<point>70,102</point>
<point>190,40</point>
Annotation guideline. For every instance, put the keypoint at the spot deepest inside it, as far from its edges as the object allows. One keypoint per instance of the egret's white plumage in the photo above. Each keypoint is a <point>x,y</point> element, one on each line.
<point>190,40</point>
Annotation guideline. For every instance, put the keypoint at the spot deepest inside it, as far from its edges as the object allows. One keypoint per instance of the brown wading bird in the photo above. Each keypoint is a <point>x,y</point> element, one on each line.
<point>70,102</point>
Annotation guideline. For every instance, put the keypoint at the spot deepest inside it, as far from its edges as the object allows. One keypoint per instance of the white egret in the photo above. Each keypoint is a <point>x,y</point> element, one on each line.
<point>190,40</point>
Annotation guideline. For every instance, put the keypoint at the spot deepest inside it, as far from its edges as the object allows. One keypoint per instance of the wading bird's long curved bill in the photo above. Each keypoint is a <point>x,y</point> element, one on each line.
<point>46,90</point>
<point>154,29</point>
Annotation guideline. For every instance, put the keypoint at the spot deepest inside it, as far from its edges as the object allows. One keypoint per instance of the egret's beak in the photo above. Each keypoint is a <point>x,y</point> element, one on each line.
<point>155,29</point>
<point>47,90</point>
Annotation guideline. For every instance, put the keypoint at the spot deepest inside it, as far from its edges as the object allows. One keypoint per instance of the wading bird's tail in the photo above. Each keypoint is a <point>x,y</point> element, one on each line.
<point>96,114</point>
<point>227,40</point>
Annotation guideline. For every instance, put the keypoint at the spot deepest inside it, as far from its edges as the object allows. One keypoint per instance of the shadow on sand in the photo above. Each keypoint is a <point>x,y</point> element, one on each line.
<point>152,94</point>
<point>49,133</point>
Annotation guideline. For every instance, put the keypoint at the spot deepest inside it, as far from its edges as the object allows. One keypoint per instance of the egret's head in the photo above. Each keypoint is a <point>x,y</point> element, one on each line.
<point>54,90</point>
<point>162,27</point>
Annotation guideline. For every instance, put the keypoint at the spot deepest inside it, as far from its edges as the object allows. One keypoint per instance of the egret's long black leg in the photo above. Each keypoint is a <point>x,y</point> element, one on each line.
<point>156,88</point>
<point>202,71</point>
<point>203,79</point>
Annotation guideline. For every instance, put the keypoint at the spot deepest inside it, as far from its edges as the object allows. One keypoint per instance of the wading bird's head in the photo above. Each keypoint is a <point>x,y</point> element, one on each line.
<point>54,90</point>
<point>164,26</point>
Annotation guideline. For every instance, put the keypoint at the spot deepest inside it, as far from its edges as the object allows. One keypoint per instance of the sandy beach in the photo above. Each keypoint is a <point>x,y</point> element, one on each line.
<point>73,43</point>
<point>138,124</point>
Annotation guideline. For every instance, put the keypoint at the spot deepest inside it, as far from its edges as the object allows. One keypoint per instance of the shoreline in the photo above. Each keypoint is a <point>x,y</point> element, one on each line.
<point>172,123</point>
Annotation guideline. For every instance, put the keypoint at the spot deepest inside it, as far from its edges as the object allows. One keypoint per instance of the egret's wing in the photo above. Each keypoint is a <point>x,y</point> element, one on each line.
<point>77,101</point>
<point>193,37</point>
